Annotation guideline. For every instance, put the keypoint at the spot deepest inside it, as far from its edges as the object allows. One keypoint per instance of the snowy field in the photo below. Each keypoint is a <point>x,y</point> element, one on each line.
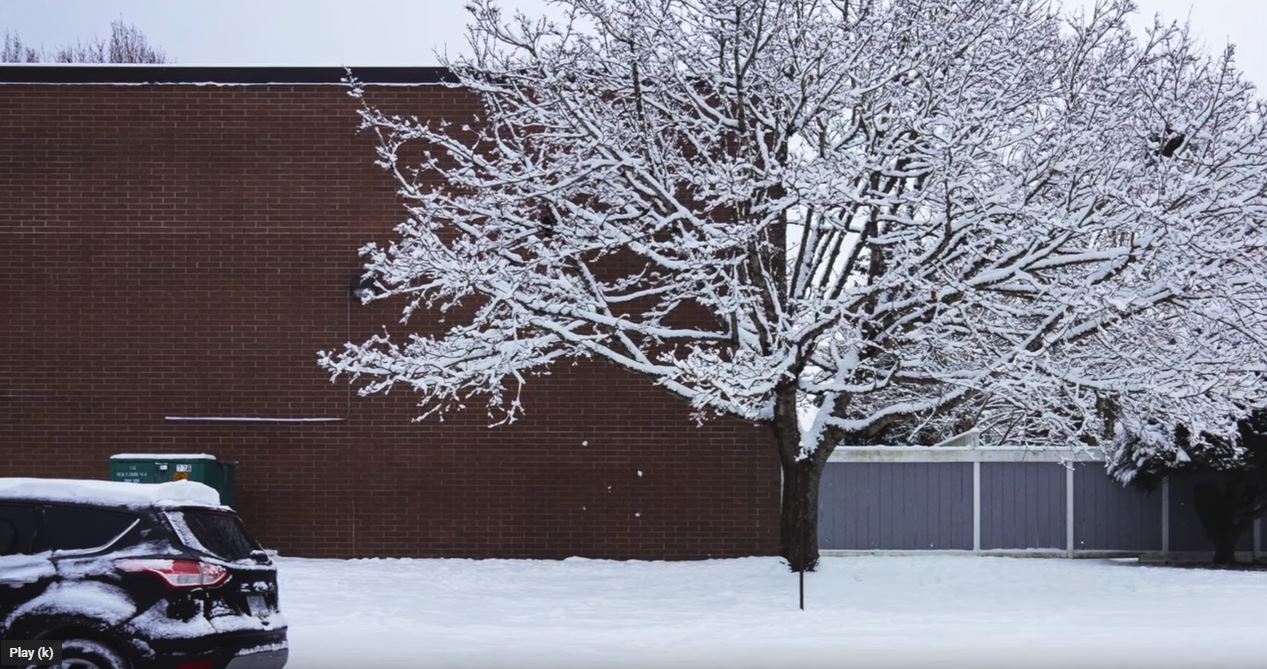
<point>938,611</point>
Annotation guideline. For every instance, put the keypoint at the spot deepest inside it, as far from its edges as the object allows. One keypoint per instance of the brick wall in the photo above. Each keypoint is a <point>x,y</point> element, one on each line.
<point>185,250</point>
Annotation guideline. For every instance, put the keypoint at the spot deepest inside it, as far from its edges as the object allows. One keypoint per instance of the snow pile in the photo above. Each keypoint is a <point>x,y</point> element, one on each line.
<point>110,493</point>
<point>896,612</point>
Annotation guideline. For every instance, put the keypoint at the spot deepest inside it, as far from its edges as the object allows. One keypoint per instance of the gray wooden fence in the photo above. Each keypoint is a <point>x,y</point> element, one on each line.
<point>1003,500</point>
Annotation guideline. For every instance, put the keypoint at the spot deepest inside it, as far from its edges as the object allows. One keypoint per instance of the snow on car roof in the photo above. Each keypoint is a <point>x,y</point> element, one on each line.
<point>110,493</point>
<point>162,456</point>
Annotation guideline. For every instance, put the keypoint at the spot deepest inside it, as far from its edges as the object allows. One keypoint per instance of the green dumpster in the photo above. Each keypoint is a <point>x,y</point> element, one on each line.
<point>164,467</point>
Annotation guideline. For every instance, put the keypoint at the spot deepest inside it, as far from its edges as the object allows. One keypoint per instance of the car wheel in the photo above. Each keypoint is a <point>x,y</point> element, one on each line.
<point>89,654</point>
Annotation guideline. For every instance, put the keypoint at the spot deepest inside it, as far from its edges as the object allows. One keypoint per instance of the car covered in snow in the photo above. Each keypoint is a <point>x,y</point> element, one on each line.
<point>136,576</point>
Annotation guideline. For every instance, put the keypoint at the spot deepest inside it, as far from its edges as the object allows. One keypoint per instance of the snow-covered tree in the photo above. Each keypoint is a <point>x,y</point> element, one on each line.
<point>1230,484</point>
<point>852,220</point>
<point>13,50</point>
<point>127,44</point>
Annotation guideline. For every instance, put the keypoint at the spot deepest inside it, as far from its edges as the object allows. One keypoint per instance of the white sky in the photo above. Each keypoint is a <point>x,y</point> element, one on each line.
<point>409,32</point>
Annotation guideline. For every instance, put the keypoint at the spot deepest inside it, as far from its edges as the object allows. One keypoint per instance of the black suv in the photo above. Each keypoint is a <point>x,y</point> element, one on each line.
<point>130,576</point>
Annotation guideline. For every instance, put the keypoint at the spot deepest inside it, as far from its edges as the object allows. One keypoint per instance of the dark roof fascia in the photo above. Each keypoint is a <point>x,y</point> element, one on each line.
<point>218,75</point>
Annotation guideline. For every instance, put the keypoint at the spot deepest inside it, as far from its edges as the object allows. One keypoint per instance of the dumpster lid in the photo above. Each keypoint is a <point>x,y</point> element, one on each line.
<point>110,493</point>
<point>162,456</point>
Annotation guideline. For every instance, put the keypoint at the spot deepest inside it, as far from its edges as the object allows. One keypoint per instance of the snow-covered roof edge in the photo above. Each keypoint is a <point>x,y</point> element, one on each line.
<point>110,493</point>
<point>218,75</point>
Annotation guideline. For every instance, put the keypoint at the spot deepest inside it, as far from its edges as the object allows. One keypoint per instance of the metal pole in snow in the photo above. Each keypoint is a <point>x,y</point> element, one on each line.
<point>804,553</point>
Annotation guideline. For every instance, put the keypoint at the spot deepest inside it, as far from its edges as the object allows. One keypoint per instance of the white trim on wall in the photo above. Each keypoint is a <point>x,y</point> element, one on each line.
<point>960,454</point>
<point>256,419</point>
<point>999,552</point>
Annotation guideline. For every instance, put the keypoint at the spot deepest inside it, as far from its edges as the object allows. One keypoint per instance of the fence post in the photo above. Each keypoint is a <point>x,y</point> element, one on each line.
<point>1069,508</point>
<point>1258,539</point>
<point>976,504</point>
<point>1165,517</point>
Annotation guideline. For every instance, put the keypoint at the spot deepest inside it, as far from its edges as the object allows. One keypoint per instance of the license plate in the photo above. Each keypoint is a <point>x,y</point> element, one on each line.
<point>257,604</point>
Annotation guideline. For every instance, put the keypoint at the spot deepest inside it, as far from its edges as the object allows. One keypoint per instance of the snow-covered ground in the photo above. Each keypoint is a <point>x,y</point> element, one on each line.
<point>939,611</point>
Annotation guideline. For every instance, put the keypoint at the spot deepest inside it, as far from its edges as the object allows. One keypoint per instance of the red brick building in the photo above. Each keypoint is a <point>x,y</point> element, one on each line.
<point>177,244</point>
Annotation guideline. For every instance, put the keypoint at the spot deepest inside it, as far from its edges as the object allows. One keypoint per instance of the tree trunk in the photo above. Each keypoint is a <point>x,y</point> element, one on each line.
<point>1225,550</point>
<point>1217,508</point>
<point>798,515</point>
<point>798,522</point>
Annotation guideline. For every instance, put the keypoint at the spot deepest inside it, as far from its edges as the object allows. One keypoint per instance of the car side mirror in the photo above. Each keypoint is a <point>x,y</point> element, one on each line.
<point>259,556</point>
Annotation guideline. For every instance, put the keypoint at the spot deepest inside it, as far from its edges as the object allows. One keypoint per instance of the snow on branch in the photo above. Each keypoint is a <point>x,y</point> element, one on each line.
<point>880,221</point>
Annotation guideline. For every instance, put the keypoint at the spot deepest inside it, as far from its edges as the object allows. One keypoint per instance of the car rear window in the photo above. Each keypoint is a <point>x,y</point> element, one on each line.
<point>71,528</point>
<point>213,532</point>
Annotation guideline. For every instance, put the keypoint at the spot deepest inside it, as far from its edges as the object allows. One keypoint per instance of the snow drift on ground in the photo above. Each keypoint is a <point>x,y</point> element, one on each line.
<point>910,611</point>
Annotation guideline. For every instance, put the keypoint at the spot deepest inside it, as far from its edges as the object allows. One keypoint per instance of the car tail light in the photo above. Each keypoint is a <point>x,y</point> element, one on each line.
<point>178,574</point>
<point>197,664</point>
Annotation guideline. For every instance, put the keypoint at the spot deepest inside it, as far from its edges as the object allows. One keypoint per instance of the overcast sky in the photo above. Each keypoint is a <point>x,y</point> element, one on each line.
<point>409,32</point>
